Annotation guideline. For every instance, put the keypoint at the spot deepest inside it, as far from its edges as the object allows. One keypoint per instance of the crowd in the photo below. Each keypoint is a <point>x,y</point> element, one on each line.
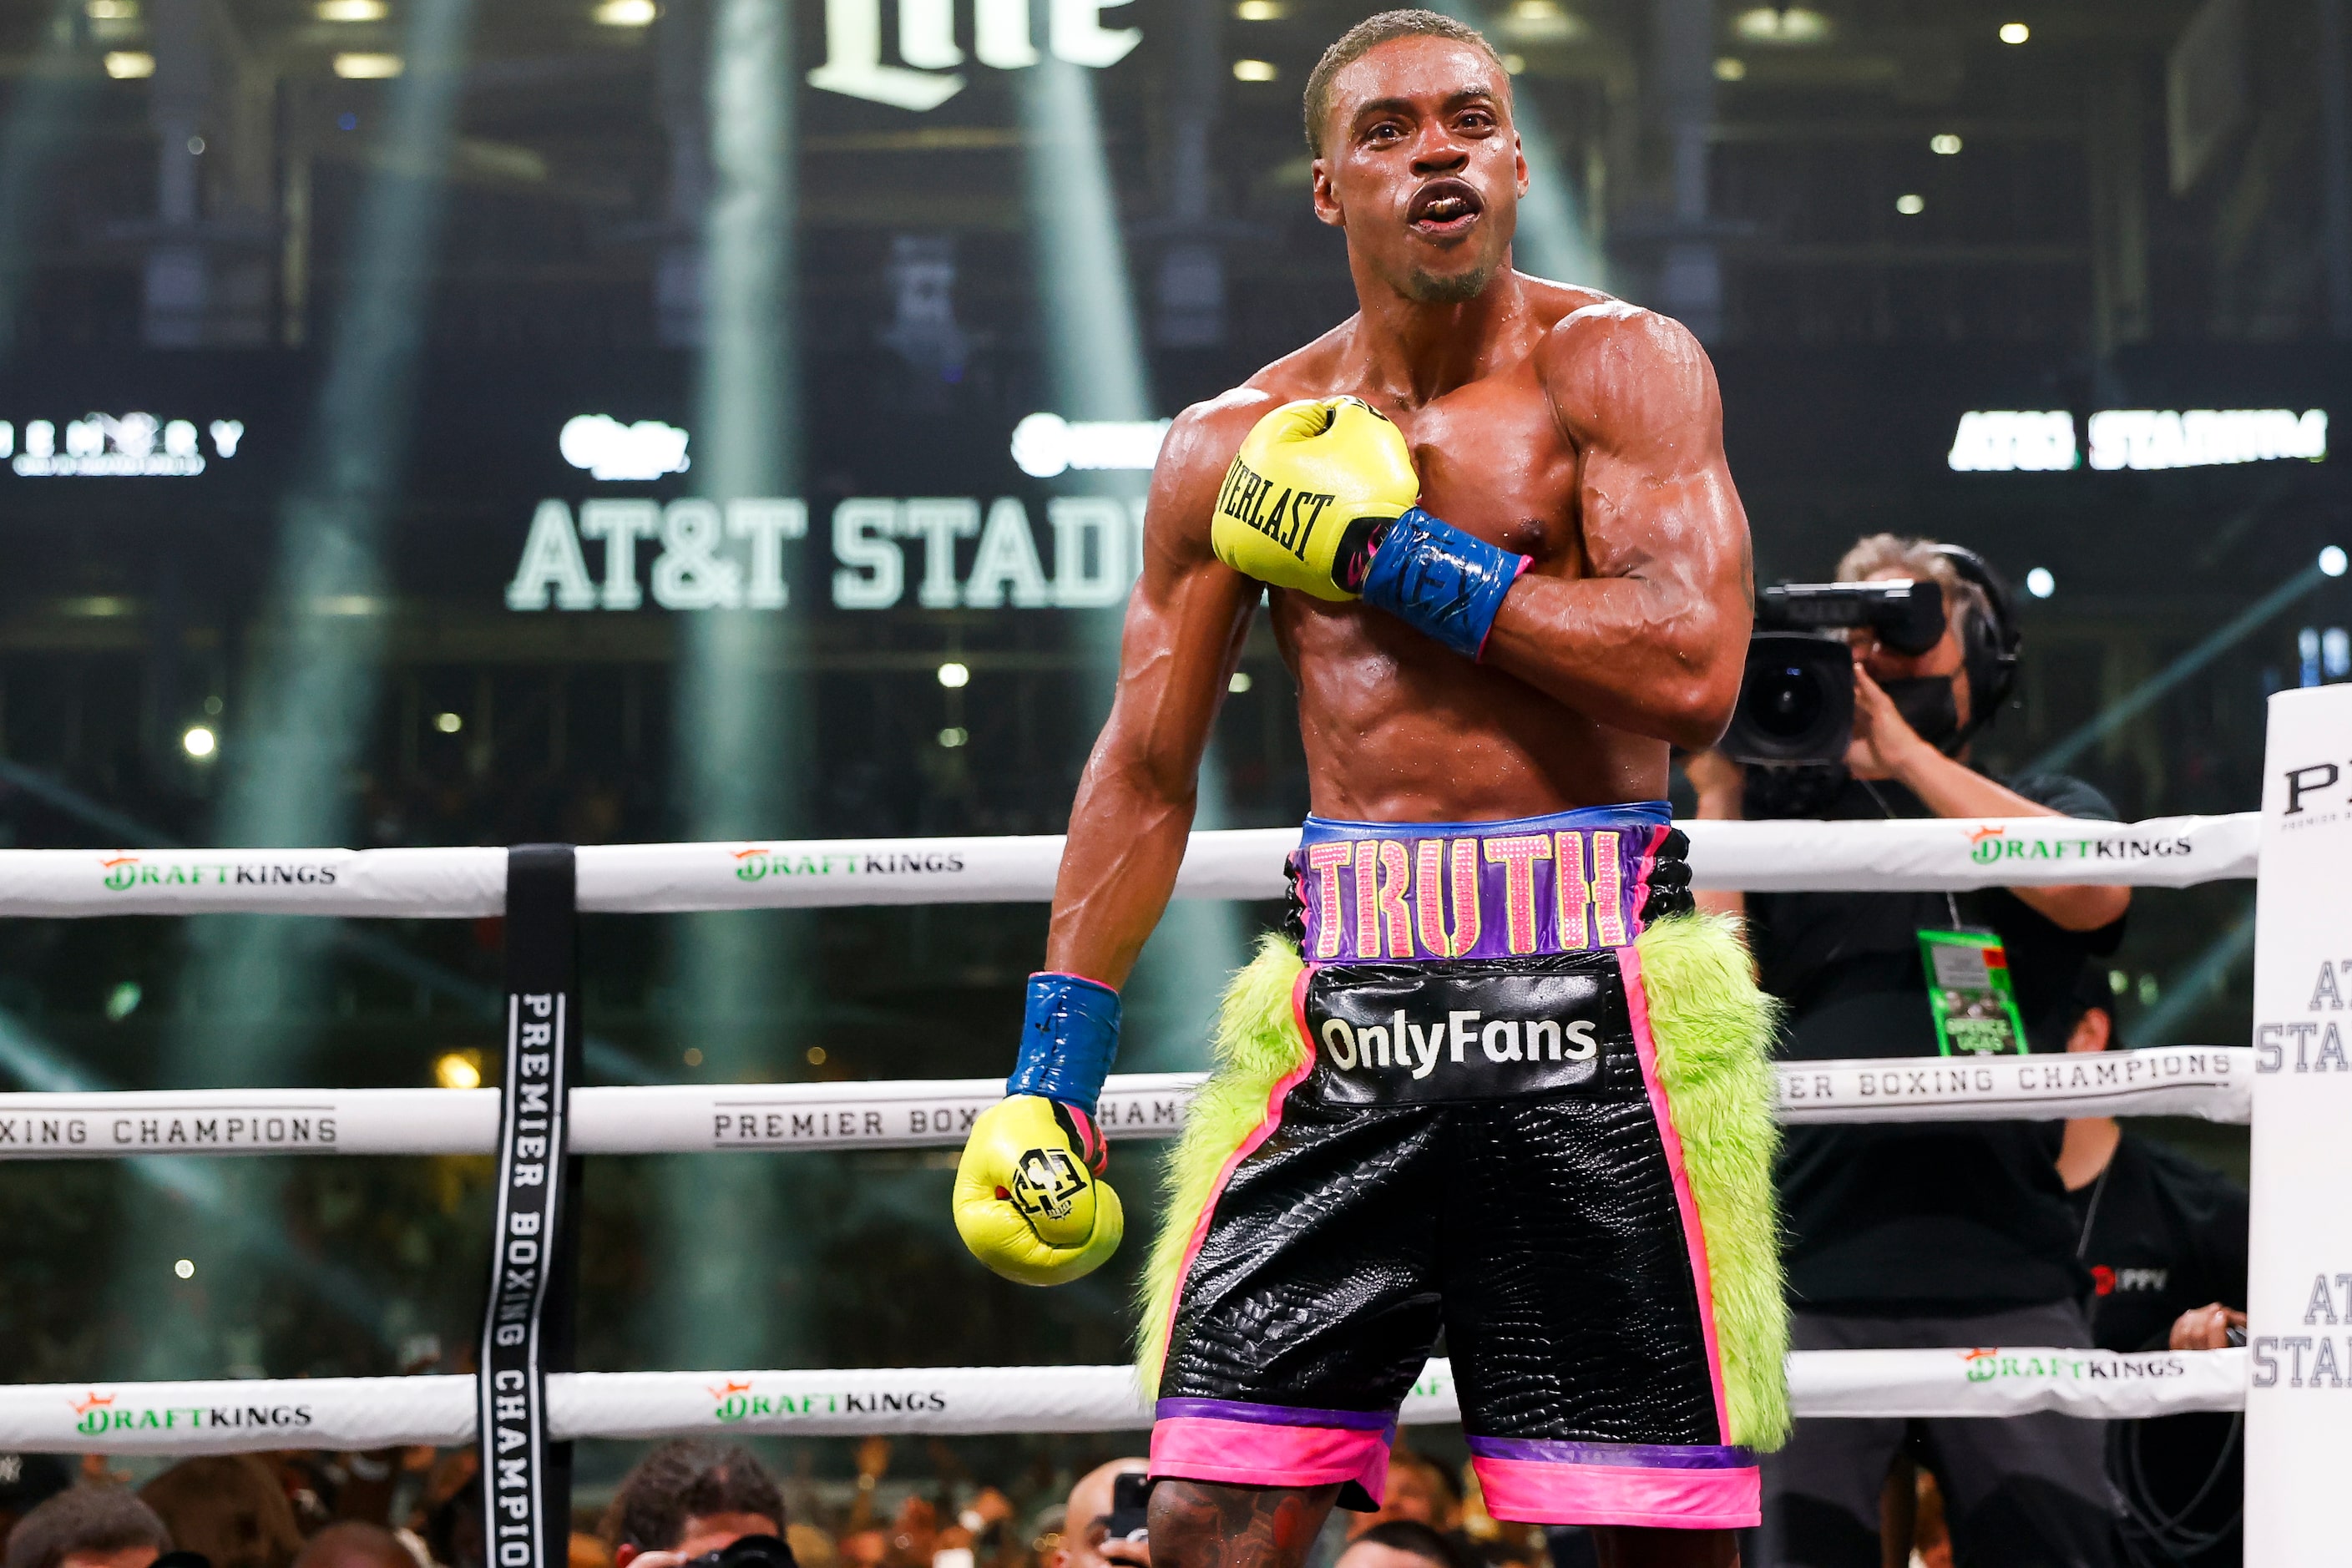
<point>687,1503</point>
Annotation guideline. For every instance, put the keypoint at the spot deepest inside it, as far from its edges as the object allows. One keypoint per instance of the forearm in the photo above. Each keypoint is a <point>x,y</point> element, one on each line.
<point>1127,835</point>
<point>1634,655</point>
<point>1952,788</point>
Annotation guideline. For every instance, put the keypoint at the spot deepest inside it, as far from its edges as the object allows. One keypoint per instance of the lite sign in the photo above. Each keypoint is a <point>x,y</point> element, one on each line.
<point>2014,441</point>
<point>707,556</point>
<point>926,37</point>
<point>114,446</point>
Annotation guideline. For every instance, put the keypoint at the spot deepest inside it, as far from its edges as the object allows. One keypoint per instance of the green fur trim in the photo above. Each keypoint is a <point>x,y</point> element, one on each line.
<point>1257,1043</point>
<point>1713,1030</point>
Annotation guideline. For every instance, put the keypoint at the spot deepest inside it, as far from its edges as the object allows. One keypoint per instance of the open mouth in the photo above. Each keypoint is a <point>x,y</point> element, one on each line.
<point>1442,208</point>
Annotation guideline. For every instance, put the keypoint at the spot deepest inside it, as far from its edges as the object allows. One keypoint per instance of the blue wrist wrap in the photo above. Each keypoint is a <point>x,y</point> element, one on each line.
<point>1440,580</point>
<point>1069,1036</point>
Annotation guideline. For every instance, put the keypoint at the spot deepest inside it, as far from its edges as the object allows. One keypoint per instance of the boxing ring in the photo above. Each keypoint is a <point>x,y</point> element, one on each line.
<point>526,1402</point>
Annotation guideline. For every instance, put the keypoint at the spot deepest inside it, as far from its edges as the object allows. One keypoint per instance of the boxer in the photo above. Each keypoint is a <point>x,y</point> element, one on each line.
<point>1497,1079</point>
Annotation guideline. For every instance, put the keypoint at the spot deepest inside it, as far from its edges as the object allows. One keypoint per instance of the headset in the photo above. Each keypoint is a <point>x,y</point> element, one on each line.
<point>1988,642</point>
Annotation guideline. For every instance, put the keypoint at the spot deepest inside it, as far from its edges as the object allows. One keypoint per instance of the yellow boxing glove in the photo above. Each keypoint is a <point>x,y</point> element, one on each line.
<point>1308,493</point>
<point>1029,1198</point>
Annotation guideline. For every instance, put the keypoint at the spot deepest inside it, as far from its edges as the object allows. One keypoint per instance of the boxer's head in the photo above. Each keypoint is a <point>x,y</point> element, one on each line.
<point>1408,119</point>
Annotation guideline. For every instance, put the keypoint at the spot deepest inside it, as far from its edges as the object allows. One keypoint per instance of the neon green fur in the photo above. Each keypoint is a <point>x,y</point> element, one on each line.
<point>1713,1029</point>
<point>1257,1044</point>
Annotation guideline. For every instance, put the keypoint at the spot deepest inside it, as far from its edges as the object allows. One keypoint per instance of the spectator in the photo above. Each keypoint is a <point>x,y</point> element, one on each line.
<point>228,1507</point>
<point>688,1497</point>
<point>1407,1543</point>
<point>1097,1531</point>
<point>1419,1489</point>
<point>88,1527</point>
<point>1923,1235</point>
<point>2165,1240</point>
<point>355,1544</point>
<point>27,1481</point>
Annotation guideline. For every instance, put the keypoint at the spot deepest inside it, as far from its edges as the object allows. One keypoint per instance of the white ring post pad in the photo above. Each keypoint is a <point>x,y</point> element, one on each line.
<point>2299,1275</point>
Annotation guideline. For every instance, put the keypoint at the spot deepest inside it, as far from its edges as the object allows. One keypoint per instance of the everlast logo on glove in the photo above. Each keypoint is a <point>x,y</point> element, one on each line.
<point>1395,1034</point>
<point>1289,520</point>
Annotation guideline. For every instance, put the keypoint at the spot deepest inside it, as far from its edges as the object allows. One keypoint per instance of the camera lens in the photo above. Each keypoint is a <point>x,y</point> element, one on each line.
<point>1787,701</point>
<point>1796,700</point>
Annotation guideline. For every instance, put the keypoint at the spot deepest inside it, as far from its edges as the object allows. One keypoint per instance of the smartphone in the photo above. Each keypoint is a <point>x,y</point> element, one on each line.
<point>1131,1496</point>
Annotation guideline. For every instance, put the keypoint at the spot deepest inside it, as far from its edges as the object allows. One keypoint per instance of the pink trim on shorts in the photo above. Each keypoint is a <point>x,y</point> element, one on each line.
<point>1251,1453</point>
<point>1536,1491</point>
<point>1642,870</point>
<point>1637,1007</point>
<point>1259,1134</point>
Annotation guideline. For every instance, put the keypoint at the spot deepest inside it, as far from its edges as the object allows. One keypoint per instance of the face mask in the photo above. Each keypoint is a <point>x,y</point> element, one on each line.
<point>1927,704</point>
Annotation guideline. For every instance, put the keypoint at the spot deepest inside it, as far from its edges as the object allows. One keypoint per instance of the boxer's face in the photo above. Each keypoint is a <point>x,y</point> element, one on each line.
<point>1421,166</point>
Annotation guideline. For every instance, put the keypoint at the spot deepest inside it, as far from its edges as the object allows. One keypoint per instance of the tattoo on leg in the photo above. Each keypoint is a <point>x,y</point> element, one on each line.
<point>1204,1524</point>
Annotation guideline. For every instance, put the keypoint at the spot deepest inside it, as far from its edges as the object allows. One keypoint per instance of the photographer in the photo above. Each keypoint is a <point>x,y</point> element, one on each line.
<point>692,1501</point>
<point>1928,1235</point>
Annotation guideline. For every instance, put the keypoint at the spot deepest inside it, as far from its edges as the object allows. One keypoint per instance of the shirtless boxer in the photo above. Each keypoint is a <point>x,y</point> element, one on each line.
<point>1499,1080</point>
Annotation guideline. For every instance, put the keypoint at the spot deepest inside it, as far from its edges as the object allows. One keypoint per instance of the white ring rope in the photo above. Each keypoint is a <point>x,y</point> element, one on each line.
<point>658,878</point>
<point>2214,1082</point>
<point>367,1412</point>
<point>361,1413</point>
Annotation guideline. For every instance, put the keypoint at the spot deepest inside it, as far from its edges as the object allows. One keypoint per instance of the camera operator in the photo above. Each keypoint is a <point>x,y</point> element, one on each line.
<point>1925,1234</point>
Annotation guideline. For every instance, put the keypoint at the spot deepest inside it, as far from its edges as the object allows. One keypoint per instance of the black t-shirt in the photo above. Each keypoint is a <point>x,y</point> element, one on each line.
<point>2162,1235</point>
<point>1940,1218</point>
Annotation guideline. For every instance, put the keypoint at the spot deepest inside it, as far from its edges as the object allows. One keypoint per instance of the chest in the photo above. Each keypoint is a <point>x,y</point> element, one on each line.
<point>1493,460</point>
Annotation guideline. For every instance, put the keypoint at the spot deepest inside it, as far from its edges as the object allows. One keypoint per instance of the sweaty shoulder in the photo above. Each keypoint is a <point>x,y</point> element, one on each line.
<point>1611,369</point>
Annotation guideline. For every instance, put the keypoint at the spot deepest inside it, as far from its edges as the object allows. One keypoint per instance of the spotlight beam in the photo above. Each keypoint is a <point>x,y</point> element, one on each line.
<point>1096,368</point>
<point>313,688</point>
<point>739,750</point>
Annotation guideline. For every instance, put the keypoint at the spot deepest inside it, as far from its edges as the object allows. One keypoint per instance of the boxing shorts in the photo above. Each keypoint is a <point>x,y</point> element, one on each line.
<point>1505,1088</point>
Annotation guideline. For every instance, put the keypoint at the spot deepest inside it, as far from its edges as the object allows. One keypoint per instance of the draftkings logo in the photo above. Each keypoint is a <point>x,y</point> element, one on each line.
<point>732,1401</point>
<point>124,872</point>
<point>1991,1364</point>
<point>757,862</point>
<point>1991,844</point>
<point>98,1413</point>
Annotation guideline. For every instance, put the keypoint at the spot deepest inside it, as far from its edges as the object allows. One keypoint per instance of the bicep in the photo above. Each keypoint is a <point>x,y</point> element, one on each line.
<point>1637,399</point>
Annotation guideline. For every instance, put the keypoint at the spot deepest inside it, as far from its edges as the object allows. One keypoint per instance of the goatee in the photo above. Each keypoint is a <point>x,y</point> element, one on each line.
<point>1454,289</point>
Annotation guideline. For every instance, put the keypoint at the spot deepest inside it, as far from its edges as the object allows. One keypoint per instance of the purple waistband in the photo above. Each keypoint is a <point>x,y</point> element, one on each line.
<point>1568,882</point>
<point>1275,1415</point>
<point>1640,1456</point>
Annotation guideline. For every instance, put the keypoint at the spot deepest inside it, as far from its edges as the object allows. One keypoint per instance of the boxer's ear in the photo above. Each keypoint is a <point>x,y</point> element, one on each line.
<point>1326,199</point>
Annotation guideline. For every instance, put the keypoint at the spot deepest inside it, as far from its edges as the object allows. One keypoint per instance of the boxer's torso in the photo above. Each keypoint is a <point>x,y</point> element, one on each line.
<point>1396,727</point>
